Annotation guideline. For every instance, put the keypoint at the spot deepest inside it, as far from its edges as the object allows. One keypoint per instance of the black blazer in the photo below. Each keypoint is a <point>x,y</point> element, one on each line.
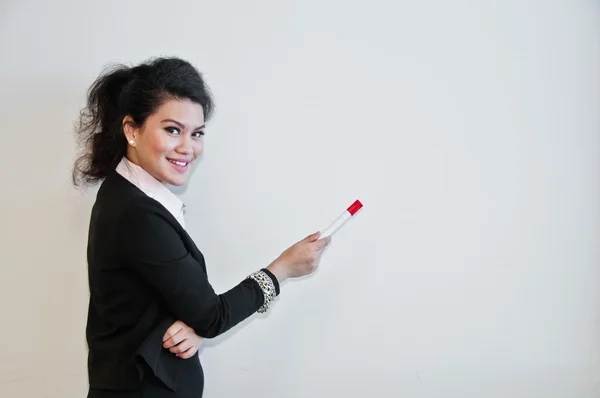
<point>145,272</point>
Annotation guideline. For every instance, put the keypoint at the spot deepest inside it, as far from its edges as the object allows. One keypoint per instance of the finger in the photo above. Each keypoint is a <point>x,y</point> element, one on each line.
<point>312,237</point>
<point>176,339</point>
<point>325,241</point>
<point>322,243</point>
<point>194,344</point>
<point>188,354</point>
<point>173,330</point>
<point>181,347</point>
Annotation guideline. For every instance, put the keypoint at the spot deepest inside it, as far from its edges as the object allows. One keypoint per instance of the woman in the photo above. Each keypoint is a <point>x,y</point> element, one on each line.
<point>150,300</point>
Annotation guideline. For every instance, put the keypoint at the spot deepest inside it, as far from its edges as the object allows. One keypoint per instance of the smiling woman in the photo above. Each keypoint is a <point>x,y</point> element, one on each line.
<point>169,142</point>
<point>151,303</point>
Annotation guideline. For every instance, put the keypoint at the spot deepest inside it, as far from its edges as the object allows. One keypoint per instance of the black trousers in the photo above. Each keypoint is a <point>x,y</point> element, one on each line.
<point>191,385</point>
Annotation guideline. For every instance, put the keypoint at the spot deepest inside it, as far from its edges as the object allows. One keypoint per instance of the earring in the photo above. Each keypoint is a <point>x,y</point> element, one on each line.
<point>131,142</point>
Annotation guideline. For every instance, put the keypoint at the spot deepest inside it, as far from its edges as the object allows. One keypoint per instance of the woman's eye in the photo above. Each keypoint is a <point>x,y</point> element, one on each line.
<point>172,130</point>
<point>198,133</point>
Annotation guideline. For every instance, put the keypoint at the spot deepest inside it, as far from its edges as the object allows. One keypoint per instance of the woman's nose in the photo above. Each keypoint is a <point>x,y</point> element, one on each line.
<point>185,146</point>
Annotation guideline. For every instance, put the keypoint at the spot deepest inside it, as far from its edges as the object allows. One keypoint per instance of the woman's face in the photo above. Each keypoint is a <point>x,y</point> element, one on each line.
<point>169,141</point>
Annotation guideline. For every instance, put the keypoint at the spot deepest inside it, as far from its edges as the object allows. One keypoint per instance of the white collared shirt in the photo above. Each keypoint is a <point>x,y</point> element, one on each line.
<point>152,187</point>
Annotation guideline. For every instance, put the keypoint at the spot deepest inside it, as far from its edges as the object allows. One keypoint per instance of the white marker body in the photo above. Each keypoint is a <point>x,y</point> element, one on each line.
<point>337,224</point>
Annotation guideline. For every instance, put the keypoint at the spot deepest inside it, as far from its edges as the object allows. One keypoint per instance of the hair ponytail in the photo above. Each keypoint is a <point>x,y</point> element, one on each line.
<point>136,91</point>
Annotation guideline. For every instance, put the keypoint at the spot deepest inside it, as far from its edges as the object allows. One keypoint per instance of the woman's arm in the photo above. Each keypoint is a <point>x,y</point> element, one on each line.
<point>151,246</point>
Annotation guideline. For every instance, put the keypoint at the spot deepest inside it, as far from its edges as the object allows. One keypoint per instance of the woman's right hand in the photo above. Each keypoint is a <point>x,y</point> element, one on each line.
<point>300,259</point>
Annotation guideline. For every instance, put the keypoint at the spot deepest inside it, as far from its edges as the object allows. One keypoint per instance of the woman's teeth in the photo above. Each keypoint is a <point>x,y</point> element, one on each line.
<point>178,163</point>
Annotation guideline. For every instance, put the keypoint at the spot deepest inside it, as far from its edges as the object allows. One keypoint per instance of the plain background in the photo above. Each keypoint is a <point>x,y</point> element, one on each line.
<point>468,128</point>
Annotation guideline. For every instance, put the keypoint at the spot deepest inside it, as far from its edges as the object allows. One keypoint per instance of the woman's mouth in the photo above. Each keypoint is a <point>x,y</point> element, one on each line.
<point>180,165</point>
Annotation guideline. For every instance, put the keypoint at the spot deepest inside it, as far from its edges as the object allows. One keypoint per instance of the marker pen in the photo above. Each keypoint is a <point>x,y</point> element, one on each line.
<point>341,220</point>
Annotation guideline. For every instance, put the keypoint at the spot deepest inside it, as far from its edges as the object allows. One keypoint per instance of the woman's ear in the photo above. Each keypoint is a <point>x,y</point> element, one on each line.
<point>129,129</point>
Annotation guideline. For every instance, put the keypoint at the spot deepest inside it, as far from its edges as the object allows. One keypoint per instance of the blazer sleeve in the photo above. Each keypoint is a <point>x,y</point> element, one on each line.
<point>153,248</point>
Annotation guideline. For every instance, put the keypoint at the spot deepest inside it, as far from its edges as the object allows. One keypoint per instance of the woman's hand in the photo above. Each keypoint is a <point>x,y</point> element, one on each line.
<point>182,340</point>
<point>300,259</point>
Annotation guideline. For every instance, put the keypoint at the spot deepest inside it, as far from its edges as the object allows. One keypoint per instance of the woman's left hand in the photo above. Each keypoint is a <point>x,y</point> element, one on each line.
<point>182,340</point>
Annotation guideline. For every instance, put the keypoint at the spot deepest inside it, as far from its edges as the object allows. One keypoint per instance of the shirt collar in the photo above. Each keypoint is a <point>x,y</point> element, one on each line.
<point>152,187</point>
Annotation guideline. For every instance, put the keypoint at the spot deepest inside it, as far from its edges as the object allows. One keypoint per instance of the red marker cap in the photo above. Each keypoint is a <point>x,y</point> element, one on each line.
<point>354,207</point>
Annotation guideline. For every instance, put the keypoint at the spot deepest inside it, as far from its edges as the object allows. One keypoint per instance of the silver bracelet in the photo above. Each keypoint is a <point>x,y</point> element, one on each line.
<point>267,286</point>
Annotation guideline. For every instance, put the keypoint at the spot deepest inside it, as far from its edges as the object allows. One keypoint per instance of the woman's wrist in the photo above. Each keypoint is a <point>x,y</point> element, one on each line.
<point>278,269</point>
<point>273,279</point>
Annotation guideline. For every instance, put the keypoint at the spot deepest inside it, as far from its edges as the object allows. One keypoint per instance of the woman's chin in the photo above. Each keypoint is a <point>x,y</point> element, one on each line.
<point>179,182</point>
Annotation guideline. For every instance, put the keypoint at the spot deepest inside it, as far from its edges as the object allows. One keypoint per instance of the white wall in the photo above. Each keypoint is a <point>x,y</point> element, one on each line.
<point>469,130</point>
